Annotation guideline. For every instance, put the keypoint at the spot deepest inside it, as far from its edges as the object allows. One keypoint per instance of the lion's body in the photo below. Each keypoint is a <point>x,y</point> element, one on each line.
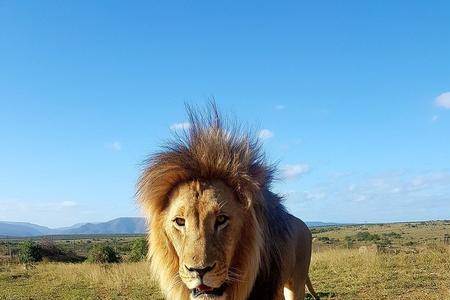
<point>291,238</point>
<point>215,227</point>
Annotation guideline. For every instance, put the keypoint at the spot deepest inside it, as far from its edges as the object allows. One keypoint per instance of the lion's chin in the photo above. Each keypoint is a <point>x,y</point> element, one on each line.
<point>209,297</point>
<point>205,292</point>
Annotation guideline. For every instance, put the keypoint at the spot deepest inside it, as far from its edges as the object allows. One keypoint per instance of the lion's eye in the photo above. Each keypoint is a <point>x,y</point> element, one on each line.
<point>221,219</point>
<point>179,221</point>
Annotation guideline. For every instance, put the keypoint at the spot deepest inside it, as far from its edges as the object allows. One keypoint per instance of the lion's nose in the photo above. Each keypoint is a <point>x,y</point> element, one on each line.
<point>200,271</point>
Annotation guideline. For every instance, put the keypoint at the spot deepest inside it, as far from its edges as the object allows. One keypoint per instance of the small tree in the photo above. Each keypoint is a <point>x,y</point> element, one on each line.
<point>102,253</point>
<point>139,250</point>
<point>29,252</point>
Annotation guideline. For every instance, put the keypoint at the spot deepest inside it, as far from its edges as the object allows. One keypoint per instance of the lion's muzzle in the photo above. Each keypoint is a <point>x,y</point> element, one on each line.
<point>200,271</point>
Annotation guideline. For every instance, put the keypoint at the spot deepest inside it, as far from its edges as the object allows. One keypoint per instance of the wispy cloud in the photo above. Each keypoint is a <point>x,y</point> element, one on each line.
<point>13,207</point>
<point>294,171</point>
<point>434,118</point>
<point>180,126</point>
<point>340,174</point>
<point>280,107</point>
<point>49,213</point>
<point>399,188</point>
<point>384,197</point>
<point>389,187</point>
<point>114,146</point>
<point>443,100</point>
<point>313,196</point>
<point>265,134</point>
<point>68,204</point>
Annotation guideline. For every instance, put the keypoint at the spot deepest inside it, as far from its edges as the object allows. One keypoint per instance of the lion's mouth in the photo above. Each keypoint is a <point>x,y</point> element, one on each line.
<point>206,290</point>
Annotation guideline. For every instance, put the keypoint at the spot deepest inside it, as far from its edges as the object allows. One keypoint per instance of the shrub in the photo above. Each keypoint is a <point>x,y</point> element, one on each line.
<point>366,236</point>
<point>316,230</point>
<point>394,235</point>
<point>349,241</point>
<point>102,253</point>
<point>49,249</point>
<point>29,252</point>
<point>139,250</point>
<point>327,240</point>
<point>52,252</point>
<point>384,242</point>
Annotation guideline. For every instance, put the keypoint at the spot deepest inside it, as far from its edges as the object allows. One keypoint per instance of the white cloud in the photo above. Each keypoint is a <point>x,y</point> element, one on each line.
<point>340,174</point>
<point>360,198</point>
<point>443,100</point>
<point>34,206</point>
<point>15,209</point>
<point>434,118</point>
<point>180,126</point>
<point>280,107</point>
<point>313,196</point>
<point>393,195</point>
<point>265,134</point>
<point>68,204</point>
<point>293,171</point>
<point>46,213</point>
<point>396,186</point>
<point>114,146</point>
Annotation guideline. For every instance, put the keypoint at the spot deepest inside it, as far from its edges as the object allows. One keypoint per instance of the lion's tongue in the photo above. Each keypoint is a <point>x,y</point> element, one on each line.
<point>204,288</point>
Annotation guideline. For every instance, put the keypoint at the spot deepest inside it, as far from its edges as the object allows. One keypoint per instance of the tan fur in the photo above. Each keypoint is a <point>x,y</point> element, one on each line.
<point>209,171</point>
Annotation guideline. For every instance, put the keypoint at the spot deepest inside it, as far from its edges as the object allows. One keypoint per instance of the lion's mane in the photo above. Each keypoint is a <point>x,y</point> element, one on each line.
<point>211,150</point>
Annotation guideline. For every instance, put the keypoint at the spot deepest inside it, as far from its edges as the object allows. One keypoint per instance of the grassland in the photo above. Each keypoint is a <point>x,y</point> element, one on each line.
<point>410,262</point>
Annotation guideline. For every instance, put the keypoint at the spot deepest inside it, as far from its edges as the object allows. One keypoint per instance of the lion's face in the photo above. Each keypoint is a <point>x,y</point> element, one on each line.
<point>203,223</point>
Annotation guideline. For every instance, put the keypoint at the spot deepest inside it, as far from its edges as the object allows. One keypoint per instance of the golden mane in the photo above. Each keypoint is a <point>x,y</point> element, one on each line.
<point>210,150</point>
<point>207,150</point>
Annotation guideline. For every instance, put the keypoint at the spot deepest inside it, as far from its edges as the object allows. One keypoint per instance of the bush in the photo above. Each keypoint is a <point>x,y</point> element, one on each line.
<point>384,242</point>
<point>327,240</point>
<point>394,235</point>
<point>29,252</point>
<point>317,230</point>
<point>139,250</point>
<point>102,253</point>
<point>366,236</point>
<point>49,249</point>
<point>52,252</point>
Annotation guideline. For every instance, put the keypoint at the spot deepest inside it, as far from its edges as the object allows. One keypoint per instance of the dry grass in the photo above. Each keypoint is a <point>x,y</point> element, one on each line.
<point>418,271</point>
<point>78,281</point>
<point>349,274</point>
<point>336,274</point>
<point>411,234</point>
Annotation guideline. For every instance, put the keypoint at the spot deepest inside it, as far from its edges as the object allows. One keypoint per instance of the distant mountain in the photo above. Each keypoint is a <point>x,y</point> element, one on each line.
<point>321,224</point>
<point>116,226</point>
<point>22,229</point>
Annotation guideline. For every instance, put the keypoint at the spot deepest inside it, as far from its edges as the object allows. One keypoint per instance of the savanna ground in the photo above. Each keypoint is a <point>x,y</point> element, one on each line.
<point>385,261</point>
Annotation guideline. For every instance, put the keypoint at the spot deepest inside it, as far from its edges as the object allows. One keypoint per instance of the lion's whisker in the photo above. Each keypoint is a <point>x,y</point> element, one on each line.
<point>174,282</point>
<point>232,279</point>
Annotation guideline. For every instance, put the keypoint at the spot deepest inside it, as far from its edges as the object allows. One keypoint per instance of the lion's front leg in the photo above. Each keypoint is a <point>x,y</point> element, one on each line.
<point>294,290</point>
<point>280,294</point>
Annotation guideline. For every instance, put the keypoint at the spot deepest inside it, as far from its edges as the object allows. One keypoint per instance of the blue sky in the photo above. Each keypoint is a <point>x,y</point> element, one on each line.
<point>351,97</point>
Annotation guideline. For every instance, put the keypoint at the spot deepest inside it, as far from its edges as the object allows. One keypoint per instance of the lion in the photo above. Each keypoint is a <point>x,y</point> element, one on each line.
<point>216,230</point>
